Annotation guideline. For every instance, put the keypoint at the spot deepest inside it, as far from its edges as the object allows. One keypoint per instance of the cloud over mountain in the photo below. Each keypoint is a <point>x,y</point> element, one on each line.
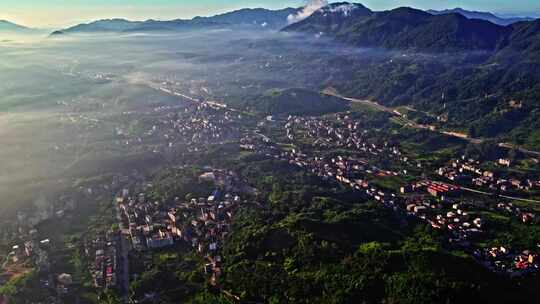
<point>311,7</point>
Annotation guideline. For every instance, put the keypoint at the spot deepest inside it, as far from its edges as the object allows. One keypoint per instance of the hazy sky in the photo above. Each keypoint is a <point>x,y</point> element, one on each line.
<point>58,13</point>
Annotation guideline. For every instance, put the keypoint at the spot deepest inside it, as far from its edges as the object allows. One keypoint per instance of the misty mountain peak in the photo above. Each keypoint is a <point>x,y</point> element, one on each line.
<point>10,26</point>
<point>343,8</point>
<point>331,18</point>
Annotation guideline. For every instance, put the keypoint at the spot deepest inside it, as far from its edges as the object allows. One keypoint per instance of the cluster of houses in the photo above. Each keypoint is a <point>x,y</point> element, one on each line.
<point>504,260</point>
<point>193,126</point>
<point>453,218</point>
<point>463,224</point>
<point>469,172</point>
<point>208,228</point>
<point>104,254</point>
<point>146,222</point>
<point>439,190</point>
<point>204,123</point>
<point>348,171</point>
<point>525,216</point>
<point>32,250</point>
<point>343,132</point>
<point>34,254</point>
<point>202,222</point>
<point>328,133</point>
<point>259,143</point>
<point>460,221</point>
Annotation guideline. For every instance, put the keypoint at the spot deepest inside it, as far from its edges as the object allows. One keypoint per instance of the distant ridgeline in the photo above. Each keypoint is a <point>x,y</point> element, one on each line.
<point>408,28</point>
<point>261,18</point>
<point>6,26</point>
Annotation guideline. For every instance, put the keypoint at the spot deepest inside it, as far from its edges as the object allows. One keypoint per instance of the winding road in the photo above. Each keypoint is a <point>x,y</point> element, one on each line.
<point>415,125</point>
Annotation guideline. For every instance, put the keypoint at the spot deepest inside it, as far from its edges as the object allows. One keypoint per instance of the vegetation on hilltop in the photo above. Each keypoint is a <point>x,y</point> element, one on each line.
<point>297,102</point>
<point>314,243</point>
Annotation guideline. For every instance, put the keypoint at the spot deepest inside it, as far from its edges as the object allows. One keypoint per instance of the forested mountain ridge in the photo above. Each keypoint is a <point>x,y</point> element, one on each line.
<point>475,76</point>
<point>404,28</point>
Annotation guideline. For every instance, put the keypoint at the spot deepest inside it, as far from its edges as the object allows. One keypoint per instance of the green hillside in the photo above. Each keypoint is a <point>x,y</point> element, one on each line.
<point>297,102</point>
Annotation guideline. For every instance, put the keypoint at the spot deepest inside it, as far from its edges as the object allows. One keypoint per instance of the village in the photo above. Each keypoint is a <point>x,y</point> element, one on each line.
<point>43,245</point>
<point>103,251</point>
<point>201,124</point>
<point>202,223</point>
<point>469,172</point>
<point>33,252</point>
<point>194,125</point>
<point>344,132</point>
<point>33,249</point>
<point>441,205</point>
<point>336,149</point>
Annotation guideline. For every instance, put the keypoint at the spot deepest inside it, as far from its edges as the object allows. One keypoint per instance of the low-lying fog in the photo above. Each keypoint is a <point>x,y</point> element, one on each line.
<point>65,102</point>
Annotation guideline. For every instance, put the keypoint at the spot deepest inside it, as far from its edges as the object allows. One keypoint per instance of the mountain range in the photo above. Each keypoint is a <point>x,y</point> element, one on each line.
<point>259,17</point>
<point>123,25</point>
<point>6,26</point>
<point>408,28</point>
<point>325,20</point>
<point>332,18</point>
<point>274,19</point>
<point>481,15</point>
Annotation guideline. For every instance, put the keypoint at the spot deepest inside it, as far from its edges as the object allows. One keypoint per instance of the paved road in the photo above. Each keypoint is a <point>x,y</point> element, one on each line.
<point>362,101</point>
<point>426,127</point>
<point>124,246</point>
<point>124,254</point>
<point>498,195</point>
<point>522,150</point>
<point>409,122</point>
<point>520,199</point>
